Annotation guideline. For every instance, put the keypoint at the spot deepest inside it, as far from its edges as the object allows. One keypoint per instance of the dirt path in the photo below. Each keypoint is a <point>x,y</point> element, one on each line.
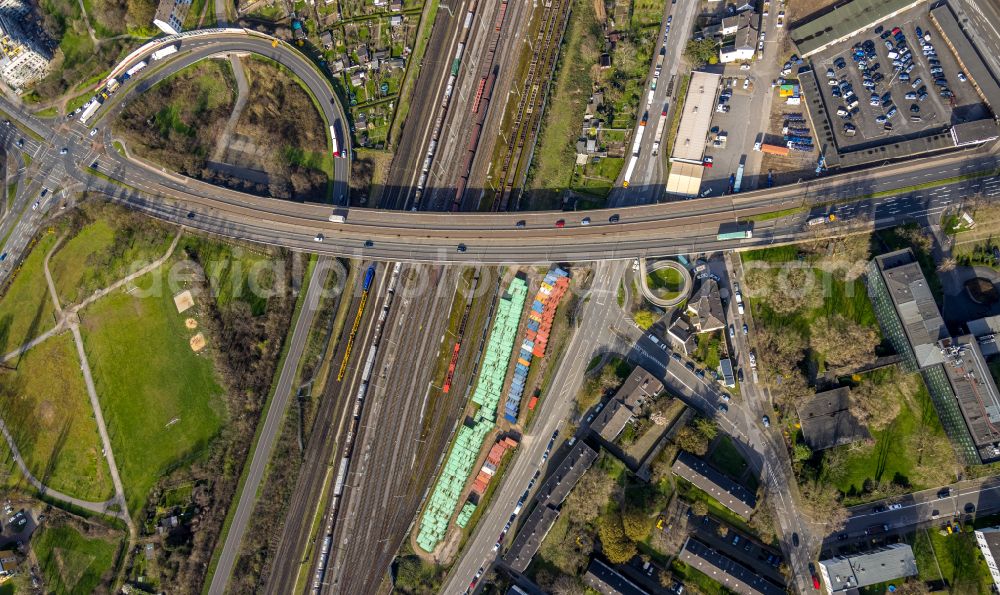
<point>241,100</point>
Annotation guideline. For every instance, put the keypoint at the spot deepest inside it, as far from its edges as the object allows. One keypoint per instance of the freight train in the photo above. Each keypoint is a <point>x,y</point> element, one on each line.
<point>348,448</point>
<point>365,287</point>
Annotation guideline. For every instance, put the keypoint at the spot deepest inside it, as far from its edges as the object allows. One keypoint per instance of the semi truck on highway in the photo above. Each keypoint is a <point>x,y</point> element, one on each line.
<point>821,220</point>
<point>660,124</point>
<point>338,217</point>
<point>135,68</point>
<point>735,231</point>
<point>163,53</point>
<point>636,145</point>
<point>333,139</point>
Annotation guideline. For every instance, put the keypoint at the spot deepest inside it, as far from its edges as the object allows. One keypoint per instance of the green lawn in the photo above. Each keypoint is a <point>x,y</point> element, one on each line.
<point>53,423</point>
<point>665,283</point>
<point>100,254</point>
<point>162,402</point>
<point>26,310</point>
<point>232,272</point>
<point>891,457</point>
<point>690,493</point>
<point>727,459</point>
<point>961,564</point>
<point>72,563</point>
<point>708,348</point>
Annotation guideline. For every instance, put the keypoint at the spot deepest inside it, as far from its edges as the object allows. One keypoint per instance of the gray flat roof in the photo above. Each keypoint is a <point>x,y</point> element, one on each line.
<point>915,305</point>
<point>967,55</point>
<point>975,132</point>
<point>975,391</point>
<point>991,536</point>
<point>607,581</point>
<point>842,574</point>
<point>989,325</point>
<point>696,117</point>
<point>567,474</point>
<point>530,537</point>
<point>827,421</point>
<point>843,21</point>
<point>730,494</point>
<point>726,571</point>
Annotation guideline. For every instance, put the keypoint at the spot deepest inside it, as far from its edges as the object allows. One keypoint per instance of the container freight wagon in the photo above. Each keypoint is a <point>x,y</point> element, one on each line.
<point>163,53</point>
<point>536,336</point>
<point>734,231</point>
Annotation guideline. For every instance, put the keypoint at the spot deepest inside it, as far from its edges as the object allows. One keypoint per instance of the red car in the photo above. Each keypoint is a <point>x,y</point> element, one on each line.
<point>896,30</point>
<point>707,162</point>
<point>561,223</point>
<point>816,584</point>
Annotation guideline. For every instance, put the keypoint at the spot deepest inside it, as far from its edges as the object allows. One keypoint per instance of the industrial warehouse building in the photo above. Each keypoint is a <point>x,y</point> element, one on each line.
<point>844,21</point>
<point>850,573</point>
<point>686,168</point>
<point>967,55</point>
<point>954,370</point>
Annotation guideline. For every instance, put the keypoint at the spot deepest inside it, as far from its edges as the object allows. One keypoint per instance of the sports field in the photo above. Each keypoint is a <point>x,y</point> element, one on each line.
<point>72,563</point>
<point>162,401</point>
<point>46,407</point>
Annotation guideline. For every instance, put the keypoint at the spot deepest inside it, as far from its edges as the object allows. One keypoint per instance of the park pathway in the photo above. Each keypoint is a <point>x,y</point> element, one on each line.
<point>241,100</point>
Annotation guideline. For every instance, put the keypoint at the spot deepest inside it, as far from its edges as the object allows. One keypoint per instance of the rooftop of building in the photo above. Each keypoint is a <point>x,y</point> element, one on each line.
<point>871,568</point>
<point>708,479</point>
<point>915,305</point>
<point>968,54</point>
<point>567,474</point>
<point>607,581</point>
<point>705,306</point>
<point>726,571</point>
<point>696,116</point>
<point>842,20</point>
<point>530,537</point>
<point>975,391</point>
<point>827,421</point>
<point>975,132</point>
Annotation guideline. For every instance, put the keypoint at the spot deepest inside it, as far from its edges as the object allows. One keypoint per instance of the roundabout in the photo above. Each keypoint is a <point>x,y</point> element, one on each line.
<point>673,283</point>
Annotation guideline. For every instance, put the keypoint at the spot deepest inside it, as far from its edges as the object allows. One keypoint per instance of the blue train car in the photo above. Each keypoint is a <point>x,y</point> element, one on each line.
<point>369,277</point>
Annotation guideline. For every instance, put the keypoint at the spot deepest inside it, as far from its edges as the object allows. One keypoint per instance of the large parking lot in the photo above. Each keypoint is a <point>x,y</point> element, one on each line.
<point>888,83</point>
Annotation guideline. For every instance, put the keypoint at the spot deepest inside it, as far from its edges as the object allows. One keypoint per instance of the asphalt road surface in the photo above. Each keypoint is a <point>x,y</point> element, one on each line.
<point>273,422</point>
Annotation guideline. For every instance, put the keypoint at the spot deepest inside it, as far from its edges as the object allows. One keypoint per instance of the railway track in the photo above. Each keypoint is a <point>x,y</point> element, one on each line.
<point>531,101</point>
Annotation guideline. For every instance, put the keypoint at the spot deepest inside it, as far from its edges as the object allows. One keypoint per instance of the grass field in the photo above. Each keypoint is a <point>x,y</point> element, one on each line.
<point>668,280</point>
<point>553,164</point>
<point>690,493</point>
<point>99,255</point>
<point>233,272</point>
<point>52,421</point>
<point>26,310</point>
<point>892,457</point>
<point>962,566</point>
<point>162,401</point>
<point>727,459</point>
<point>72,563</point>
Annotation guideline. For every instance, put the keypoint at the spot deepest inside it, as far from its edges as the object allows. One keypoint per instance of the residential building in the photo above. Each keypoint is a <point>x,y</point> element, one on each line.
<point>710,480</point>
<point>726,571</point>
<point>170,15</point>
<point>847,574</point>
<point>530,537</point>
<point>827,421</point>
<point>989,544</point>
<point>24,59</point>
<point>744,43</point>
<point>730,25</point>
<point>681,336</point>
<point>555,489</point>
<point>605,580</point>
<point>705,307</point>
<point>639,387</point>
